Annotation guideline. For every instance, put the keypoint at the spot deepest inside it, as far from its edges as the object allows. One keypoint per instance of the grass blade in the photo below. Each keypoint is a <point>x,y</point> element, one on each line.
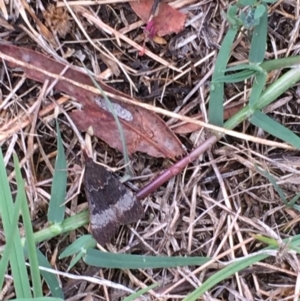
<point>17,260</point>
<point>266,123</point>
<point>292,202</point>
<point>56,209</point>
<point>244,67</point>
<point>223,274</point>
<point>259,83</point>
<point>81,244</point>
<point>30,245</point>
<point>127,261</point>
<point>79,247</point>
<point>9,245</point>
<point>282,84</point>
<point>216,111</point>
<point>234,268</point>
<point>139,293</point>
<point>236,77</point>
<point>273,182</point>
<point>259,38</point>
<point>69,224</point>
<point>40,299</point>
<point>50,278</point>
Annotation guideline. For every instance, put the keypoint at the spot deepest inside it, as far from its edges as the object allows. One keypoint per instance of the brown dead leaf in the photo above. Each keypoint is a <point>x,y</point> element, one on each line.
<point>166,21</point>
<point>144,131</point>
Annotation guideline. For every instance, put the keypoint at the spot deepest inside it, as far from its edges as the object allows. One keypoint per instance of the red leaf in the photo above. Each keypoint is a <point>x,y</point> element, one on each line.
<point>144,131</point>
<point>167,20</point>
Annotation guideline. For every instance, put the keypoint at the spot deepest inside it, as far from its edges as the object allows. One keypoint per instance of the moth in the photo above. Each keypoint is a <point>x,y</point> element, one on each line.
<point>111,203</point>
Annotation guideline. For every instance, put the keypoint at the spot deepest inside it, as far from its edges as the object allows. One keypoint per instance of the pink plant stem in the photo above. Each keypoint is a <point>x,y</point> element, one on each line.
<point>176,168</point>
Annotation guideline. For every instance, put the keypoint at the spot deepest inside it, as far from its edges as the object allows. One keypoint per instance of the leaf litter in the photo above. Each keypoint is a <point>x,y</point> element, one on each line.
<point>144,131</point>
<point>188,215</point>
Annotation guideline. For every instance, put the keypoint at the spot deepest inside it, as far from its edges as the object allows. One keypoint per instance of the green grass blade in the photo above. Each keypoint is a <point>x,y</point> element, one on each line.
<point>277,64</point>
<point>81,244</point>
<point>246,2</point>
<point>223,274</point>
<point>232,17</point>
<point>273,181</point>
<point>269,125</point>
<point>260,10</point>
<point>34,266</point>
<point>79,247</point>
<point>245,71</point>
<point>128,261</point>
<point>69,224</point>
<point>236,77</point>
<point>244,67</point>
<point>39,299</point>
<point>139,293</point>
<point>9,244</point>
<point>234,268</point>
<point>216,111</point>
<point>75,259</point>
<point>17,260</point>
<point>18,264</point>
<point>277,88</point>
<point>50,278</point>
<point>296,207</point>
<point>292,202</point>
<point>259,83</point>
<point>259,37</point>
<point>267,240</point>
<point>56,209</point>
<point>281,85</point>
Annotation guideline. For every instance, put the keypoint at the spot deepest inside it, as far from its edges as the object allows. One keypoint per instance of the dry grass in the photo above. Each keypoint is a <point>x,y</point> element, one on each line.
<point>213,207</point>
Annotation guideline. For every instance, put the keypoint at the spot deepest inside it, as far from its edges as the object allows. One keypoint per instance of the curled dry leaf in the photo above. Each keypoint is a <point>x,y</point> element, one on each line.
<point>143,130</point>
<point>167,19</point>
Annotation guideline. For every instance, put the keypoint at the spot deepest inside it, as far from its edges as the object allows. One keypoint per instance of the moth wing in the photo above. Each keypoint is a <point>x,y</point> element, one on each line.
<point>111,203</point>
